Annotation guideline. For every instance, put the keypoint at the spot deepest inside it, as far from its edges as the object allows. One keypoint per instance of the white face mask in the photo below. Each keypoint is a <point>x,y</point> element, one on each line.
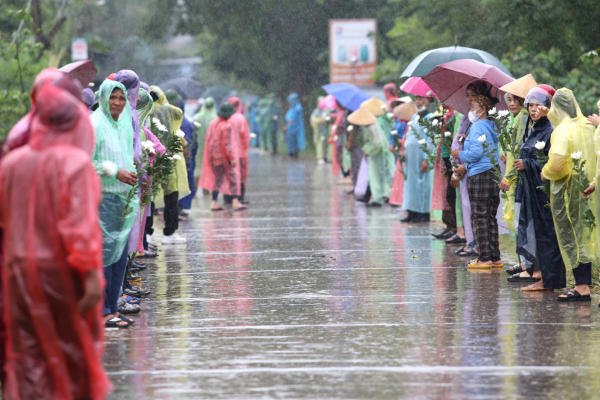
<point>473,116</point>
<point>421,109</point>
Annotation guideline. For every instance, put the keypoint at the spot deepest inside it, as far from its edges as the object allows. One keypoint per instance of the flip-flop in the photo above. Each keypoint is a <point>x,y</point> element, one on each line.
<point>574,296</point>
<point>217,209</point>
<point>455,239</point>
<point>501,265</point>
<point>114,323</point>
<point>517,279</point>
<point>148,254</point>
<point>515,269</point>
<point>125,319</point>
<point>242,208</point>
<point>532,288</point>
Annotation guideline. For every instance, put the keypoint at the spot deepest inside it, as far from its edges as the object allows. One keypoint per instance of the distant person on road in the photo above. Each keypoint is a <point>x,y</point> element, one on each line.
<point>204,117</point>
<point>241,133</point>
<point>219,172</point>
<point>294,129</point>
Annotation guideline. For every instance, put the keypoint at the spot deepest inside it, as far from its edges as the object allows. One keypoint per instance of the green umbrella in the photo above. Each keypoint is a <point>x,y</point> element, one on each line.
<point>427,61</point>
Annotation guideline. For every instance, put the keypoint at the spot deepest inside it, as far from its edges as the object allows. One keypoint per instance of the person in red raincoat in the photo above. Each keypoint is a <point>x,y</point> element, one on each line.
<point>219,173</point>
<point>53,271</point>
<point>241,134</point>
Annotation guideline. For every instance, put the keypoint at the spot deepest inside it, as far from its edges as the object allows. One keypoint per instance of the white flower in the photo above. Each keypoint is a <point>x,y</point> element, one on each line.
<point>394,133</point>
<point>333,128</point>
<point>383,106</point>
<point>447,134</point>
<point>253,135</point>
<point>275,118</point>
<point>576,155</point>
<point>147,145</point>
<point>503,113</point>
<point>430,93</point>
<point>481,138</point>
<point>170,158</point>
<point>409,123</point>
<point>176,157</point>
<point>109,168</point>
<point>335,138</point>
<point>435,122</point>
<point>492,111</point>
<point>180,134</point>
<point>417,119</point>
<point>152,151</point>
<point>198,125</point>
<point>390,115</point>
<point>350,128</point>
<point>540,145</point>
<point>599,153</point>
<point>161,127</point>
<point>455,177</point>
<point>327,119</point>
<point>425,130</point>
<point>156,121</point>
<point>422,142</point>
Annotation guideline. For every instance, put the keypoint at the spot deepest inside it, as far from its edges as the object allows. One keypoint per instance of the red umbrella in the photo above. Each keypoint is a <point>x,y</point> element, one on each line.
<point>84,71</point>
<point>449,81</point>
<point>416,86</point>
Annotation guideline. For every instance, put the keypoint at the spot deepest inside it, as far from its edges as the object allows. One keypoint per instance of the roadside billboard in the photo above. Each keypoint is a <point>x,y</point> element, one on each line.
<point>352,51</point>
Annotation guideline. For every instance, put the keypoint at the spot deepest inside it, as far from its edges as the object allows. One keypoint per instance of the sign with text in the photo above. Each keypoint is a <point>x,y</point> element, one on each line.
<point>79,49</point>
<point>352,51</point>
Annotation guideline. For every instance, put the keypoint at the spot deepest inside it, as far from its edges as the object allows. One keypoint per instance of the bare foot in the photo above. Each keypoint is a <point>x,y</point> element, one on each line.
<point>485,263</point>
<point>536,275</point>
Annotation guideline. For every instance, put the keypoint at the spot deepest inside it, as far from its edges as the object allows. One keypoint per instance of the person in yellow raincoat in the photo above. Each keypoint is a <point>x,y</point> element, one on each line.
<point>572,140</point>
<point>177,186</point>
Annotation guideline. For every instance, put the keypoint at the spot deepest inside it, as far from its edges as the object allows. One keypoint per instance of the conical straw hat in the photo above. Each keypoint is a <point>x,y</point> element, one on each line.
<point>362,116</point>
<point>405,111</point>
<point>521,86</point>
<point>376,106</point>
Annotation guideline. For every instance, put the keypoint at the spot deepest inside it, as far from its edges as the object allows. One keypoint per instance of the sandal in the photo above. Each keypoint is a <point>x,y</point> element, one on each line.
<point>455,239</point>
<point>515,269</point>
<point>460,250</point>
<point>500,264</point>
<point>532,288</point>
<point>217,209</point>
<point>241,208</point>
<point>148,254</point>
<point>573,296</point>
<point>518,279</point>
<point>125,319</point>
<point>132,300</point>
<point>470,252</point>
<point>114,323</point>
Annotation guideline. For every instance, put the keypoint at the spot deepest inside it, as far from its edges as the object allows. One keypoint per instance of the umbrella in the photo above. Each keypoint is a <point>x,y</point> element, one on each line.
<point>450,80</point>
<point>84,71</point>
<point>347,95</point>
<point>416,86</point>
<point>426,62</point>
<point>187,88</point>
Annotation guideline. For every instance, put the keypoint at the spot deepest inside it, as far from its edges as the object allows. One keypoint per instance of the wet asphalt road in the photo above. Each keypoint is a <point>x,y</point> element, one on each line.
<point>308,295</point>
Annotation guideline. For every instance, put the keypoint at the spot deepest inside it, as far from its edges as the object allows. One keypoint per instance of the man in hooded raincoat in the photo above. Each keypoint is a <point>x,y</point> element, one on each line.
<point>53,256</point>
<point>204,117</point>
<point>219,172</point>
<point>269,122</point>
<point>241,140</point>
<point>294,130</point>
<point>112,122</point>
<point>177,186</point>
<point>572,139</point>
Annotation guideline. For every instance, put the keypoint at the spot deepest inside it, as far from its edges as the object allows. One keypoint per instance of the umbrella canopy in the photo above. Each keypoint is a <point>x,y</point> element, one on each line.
<point>450,80</point>
<point>426,62</point>
<point>347,95</point>
<point>187,88</point>
<point>84,71</point>
<point>416,86</point>
<point>328,102</point>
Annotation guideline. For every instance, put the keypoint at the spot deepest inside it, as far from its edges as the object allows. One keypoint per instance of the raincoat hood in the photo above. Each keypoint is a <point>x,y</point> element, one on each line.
<point>564,107</point>
<point>293,99</point>
<point>162,99</point>
<point>237,104</point>
<point>88,97</point>
<point>60,119</point>
<point>172,96</point>
<point>144,105</point>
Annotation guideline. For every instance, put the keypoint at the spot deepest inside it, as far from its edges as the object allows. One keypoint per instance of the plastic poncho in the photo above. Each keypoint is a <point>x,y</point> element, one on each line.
<point>294,118</point>
<point>269,120</point>
<point>114,143</point>
<point>572,134</point>
<point>536,237</point>
<point>49,198</point>
<point>381,162</point>
<point>217,174</point>
<point>510,173</point>
<point>320,131</point>
<point>187,127</point>
<point>417,185</point>
<point>207,114</point>
<point>597,179</point>
<point>171,117</point>
<point>240,137</point>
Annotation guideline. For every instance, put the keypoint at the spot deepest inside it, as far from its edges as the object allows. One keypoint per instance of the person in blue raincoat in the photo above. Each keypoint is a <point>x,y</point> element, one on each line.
<point>418,184</point>
<point>294,129</point>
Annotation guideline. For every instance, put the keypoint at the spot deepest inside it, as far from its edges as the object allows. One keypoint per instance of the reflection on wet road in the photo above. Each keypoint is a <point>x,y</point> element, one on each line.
<point>309,295</point>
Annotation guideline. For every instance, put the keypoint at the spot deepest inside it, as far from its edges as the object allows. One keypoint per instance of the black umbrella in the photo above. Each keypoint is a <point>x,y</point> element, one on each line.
<point>187,88</point>
<point>424,63</point>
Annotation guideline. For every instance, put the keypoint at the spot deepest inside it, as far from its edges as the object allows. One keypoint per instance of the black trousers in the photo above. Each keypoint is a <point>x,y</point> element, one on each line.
<point>583,274</point>
<point>449,216</point>
<point>171,213</point>
<point>150,220</point>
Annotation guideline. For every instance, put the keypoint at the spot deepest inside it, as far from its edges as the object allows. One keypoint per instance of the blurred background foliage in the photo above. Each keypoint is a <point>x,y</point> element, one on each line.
<point>282,45</point>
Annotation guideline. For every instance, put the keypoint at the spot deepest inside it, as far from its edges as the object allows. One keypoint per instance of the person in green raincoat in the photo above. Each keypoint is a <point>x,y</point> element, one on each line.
<point>113,155</point>
<point>202,119</point>
<point>318,122</point>
<point>270,123</point>
<point>177,186</point>
<point>381,159</point>
<point>572,139</point>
